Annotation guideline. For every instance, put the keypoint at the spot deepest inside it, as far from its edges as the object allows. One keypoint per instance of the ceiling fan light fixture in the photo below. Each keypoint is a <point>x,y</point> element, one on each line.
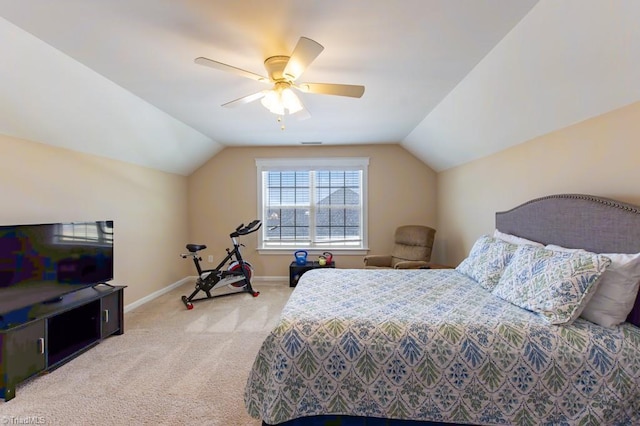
<point>291,101</point>
<point>280,99</point>
<point>273,102</point>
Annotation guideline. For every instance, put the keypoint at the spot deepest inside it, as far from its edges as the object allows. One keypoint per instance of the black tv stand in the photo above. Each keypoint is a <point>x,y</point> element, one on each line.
<point>54,333</point>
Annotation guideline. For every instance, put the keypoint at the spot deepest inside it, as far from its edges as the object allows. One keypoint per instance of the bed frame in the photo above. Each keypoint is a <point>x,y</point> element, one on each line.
<point>597,224</point>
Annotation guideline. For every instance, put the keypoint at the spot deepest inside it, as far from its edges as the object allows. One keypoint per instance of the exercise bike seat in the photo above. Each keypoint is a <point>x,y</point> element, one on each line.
<point>195,247</point>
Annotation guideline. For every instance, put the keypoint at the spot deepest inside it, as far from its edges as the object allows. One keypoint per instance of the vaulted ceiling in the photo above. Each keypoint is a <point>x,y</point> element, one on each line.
<point>451,80</point>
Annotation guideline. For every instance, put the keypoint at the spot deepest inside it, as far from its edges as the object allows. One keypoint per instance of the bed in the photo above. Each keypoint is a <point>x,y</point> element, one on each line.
<point>480,344</point>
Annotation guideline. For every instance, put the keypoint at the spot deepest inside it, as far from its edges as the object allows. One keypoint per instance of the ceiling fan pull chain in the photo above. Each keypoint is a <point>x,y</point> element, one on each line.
<point>281,121</point>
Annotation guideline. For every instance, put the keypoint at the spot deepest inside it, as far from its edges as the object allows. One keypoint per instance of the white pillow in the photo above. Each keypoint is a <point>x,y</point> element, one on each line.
<point>515,239</point>
<point>555,284</point>
<point>616,291</point>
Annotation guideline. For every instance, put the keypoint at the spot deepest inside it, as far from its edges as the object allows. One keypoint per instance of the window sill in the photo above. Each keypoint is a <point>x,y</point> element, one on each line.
<point>314,251</point>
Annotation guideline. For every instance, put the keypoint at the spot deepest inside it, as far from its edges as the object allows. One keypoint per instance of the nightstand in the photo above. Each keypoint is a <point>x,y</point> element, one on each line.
<point>296,271</point>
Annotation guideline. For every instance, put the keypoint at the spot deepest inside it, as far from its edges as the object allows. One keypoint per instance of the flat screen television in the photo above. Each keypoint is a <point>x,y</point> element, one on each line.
<point>42,263</point>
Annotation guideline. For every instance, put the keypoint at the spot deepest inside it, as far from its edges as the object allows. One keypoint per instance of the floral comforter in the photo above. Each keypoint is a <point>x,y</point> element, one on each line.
<point>433,345</point>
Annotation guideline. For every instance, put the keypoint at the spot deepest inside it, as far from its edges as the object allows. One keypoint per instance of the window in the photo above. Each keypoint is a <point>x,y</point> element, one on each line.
<point>86,232</point>
<point>317,203</point>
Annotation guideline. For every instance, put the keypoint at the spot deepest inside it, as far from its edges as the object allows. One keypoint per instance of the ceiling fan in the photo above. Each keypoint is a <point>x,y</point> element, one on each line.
<point>283,71</point>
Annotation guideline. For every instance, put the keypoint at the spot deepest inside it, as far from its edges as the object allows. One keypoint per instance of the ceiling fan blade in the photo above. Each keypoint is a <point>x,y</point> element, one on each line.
<point>350,90</point>
<point>244,100</point>
<point>303,54</point>
<point>303,114</point>
<point>228,68</point>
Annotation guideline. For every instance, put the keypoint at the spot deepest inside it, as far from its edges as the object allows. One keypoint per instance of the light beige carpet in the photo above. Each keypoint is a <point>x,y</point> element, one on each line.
<point>172,366</point>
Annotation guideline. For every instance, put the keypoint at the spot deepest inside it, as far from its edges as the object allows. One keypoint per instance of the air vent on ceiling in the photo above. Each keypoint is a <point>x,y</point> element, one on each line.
<point>311,143</point>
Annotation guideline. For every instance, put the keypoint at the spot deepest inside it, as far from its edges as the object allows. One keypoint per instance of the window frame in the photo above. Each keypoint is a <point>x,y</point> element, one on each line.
<point>313,164</point>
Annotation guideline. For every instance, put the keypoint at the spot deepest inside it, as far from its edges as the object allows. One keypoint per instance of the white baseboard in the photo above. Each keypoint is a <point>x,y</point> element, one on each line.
<point>157,293</point>
<point>269,279</point>
<point>185,280</point>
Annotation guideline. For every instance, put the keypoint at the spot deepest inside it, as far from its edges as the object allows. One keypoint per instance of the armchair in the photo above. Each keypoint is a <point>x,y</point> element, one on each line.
<point>411,250</point>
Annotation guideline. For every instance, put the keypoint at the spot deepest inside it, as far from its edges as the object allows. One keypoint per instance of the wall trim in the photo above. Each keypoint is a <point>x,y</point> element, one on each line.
<point>270,279</point>
<point>156,294</point>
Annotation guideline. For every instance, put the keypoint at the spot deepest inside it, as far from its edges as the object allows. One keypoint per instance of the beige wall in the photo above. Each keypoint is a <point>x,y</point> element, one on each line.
<point>157,213</point>
<point>40,184</point>
<point>600,156</point>
<point>222,194</point>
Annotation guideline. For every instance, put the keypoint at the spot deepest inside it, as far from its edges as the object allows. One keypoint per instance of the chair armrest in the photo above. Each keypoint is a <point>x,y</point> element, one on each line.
<point>377,260</point>
<point>411,264</point>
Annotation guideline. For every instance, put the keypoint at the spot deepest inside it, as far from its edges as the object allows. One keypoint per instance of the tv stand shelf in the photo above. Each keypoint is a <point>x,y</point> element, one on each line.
<point>52,333</point>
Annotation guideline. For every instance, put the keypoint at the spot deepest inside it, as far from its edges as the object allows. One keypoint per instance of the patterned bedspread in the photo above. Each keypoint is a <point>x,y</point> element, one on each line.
<point>433,345</point>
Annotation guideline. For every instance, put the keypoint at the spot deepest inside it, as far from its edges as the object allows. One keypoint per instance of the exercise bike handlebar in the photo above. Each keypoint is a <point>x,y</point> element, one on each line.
<point>244,230</point>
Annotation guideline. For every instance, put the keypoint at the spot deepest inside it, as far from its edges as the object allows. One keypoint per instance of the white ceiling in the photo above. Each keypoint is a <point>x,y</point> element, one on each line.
<point>116,77</point>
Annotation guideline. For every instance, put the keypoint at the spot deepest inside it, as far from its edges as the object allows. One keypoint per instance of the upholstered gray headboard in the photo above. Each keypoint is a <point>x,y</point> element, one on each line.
<point>597,224</point>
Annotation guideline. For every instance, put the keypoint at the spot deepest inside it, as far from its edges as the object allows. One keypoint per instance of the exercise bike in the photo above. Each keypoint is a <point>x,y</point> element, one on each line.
<point>237,275</point>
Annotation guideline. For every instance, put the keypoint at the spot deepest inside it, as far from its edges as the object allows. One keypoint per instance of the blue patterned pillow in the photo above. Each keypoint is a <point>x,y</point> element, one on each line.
<point>487,260</point>
<point>555,284</point>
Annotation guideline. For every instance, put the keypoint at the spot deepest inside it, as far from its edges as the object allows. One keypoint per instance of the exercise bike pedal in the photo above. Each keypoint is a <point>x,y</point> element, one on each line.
<point>205,285</point>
